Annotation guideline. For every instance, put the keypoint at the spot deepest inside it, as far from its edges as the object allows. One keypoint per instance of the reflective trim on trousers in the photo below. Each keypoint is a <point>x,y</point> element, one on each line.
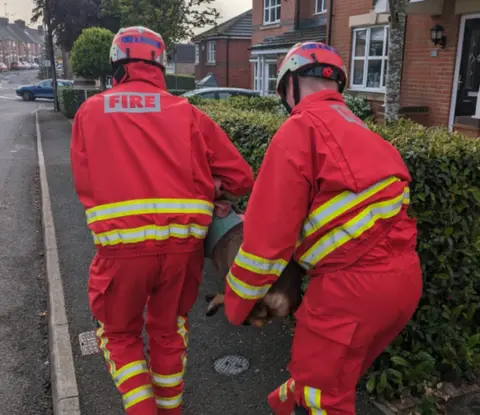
<point>288,386</point>
<point>103,341</point>
<point>150,233</point>
<point>258,264</point>
<point>129,371</point>
<point>353,229</point>
<point>246,291</point>
<point>148,206</point>
<point>137,395</point>
<point>338,205</point>
<point>169,403</point>
<point>313,401</point>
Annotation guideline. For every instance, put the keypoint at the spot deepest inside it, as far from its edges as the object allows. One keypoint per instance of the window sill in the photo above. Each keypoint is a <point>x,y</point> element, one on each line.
<point>267,26</point>
<point>211,64</point>
<point>320,13</point>
<point>368,93</point>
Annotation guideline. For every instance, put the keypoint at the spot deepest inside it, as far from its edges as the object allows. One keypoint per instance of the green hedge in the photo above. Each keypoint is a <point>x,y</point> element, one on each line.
<point>442,342</point>
<point>70,99</point>
<point>176,82</point>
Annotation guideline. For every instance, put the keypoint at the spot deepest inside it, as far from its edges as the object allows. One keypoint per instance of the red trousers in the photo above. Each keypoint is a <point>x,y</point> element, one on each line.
<point>346,320</point>
<point>119,290</point>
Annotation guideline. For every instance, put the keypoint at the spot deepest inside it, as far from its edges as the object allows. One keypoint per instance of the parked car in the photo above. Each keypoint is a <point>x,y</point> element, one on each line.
<point>21,66</point>
<point>42,89</point>
<point>3,67</point>
<point>14,66</point>
<point>35,65</point>
<point>221,93</point>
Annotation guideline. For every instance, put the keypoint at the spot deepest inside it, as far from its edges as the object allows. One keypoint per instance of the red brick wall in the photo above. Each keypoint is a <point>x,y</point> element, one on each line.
<point>287,20</point>
<point>239,67</point>
<point>428,80</point>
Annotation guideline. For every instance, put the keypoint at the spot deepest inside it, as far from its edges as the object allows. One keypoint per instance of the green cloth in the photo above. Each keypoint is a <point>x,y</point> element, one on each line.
<point>218,228</point>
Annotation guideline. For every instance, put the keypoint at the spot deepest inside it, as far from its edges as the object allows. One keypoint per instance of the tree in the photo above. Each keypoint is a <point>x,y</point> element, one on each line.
<point>90,53</point>
<point>175,20</point>
<point>398,20</point>
<point>70,17</point>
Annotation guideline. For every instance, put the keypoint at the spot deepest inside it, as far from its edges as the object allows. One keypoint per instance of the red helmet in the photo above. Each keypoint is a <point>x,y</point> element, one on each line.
<point>137,43</point>
<point>311,59</point>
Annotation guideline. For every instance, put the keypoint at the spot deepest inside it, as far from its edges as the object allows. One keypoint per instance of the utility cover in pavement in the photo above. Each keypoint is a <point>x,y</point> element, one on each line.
<point>231,365</point>
<point>88,343</point>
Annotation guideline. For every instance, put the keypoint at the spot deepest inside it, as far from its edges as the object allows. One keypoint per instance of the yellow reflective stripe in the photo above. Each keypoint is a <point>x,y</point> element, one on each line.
<point>150,233</point>
<point>182,329</point>
<point>352,229</point>
<point>246,291</point>
<point>313,400</point>
<point>103,347</point>
<point>258,264</point>
<point>129,371</point>
<point>169,403</point>
<point>167,381</point>
<point>137,395</point>
<point>338,205</point>
<point>148,206</point>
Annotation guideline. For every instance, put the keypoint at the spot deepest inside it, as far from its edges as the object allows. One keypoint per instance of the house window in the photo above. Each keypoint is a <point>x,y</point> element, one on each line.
<point>271,12</point>
<point>197,54</point>
<point>320,6</point>
<point>369,58</point>
<point>271,78</point>
<point>257,77</point>
<point>211,49</point>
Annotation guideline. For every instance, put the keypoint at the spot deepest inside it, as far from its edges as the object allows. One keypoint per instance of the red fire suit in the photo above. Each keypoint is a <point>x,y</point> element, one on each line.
<point>334,195</point>
<point>143,165</point>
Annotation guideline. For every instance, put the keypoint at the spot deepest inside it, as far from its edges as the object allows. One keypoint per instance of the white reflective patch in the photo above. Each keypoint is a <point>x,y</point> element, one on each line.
<point>132,102</point>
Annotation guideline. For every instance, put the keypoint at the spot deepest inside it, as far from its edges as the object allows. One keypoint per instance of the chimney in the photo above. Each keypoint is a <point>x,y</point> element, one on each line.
<point>20,23</point>
<point>3,21</point>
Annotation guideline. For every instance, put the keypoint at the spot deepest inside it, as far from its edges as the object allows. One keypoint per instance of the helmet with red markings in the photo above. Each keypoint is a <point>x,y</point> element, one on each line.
<point>313,59</point>
<point>137,43</point>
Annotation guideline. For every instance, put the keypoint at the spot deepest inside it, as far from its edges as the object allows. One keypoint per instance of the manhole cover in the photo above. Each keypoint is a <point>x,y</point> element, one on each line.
<point>231,365</point>
<point>88,343</point>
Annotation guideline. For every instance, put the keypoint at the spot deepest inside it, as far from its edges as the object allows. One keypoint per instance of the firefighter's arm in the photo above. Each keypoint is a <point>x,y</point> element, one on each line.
<point>79,160</point>
<point>226,162</point>
<point>273,220</point>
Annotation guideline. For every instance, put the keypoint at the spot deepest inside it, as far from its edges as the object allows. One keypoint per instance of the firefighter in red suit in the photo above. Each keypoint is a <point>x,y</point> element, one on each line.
<point>143,165</point>
<point>334,195</point>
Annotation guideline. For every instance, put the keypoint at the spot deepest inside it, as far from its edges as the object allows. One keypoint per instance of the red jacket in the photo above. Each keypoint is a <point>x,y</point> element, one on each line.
<point>327,190</point>
<point>143,162</point>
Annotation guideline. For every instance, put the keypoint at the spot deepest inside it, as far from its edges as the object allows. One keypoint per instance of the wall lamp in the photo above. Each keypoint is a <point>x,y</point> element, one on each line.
<point>437,35</point>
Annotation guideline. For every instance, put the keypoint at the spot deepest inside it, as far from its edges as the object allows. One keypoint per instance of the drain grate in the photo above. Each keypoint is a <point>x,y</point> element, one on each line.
<point>88,343</point>
<point>231,365</point>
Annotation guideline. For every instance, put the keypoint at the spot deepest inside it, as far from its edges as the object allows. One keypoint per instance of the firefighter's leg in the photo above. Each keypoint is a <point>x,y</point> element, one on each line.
<point>174,295</point>
<point>118,293</point>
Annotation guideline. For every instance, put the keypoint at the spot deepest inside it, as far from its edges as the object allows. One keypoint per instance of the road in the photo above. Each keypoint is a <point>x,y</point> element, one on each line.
<point>24,365</point>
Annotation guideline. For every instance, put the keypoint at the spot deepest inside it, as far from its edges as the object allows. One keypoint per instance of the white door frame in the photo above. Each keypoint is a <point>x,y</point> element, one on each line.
<point>461,36</point>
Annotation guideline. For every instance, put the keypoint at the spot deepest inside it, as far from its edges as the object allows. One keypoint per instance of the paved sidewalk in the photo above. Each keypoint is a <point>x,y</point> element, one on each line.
<point>207,392</point>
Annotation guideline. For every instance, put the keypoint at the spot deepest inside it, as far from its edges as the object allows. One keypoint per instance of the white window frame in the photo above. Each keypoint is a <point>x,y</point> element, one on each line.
<point>257,79</point>
<point>211,51</point>
<point>266,78</point>
<point>271,6</point>
<point>367,58</point>
<point>197,54</point>
<point>320,6</point>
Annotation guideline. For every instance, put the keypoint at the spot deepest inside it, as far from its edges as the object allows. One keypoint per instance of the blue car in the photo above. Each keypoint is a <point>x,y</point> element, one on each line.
<point>42,89</point>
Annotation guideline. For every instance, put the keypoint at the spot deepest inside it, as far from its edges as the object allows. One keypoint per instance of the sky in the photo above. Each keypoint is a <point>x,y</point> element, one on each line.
<point>23,8</point>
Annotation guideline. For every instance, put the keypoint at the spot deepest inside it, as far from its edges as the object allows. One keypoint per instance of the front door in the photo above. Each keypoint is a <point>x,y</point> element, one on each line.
<point>469,79</point>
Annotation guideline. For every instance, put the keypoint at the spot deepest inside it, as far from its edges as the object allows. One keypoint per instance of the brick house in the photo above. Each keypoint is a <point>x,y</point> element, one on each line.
<point>440,85</point>
<point>277,26</point>
<point>224,52</point>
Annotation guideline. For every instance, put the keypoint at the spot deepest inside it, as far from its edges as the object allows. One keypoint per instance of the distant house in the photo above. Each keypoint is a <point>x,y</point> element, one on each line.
<point>224,52</point>
<point>182,60</point>
<point>19,43</point>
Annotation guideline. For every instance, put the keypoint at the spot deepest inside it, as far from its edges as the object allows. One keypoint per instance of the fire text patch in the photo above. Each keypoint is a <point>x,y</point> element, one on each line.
<point>133,102</point>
